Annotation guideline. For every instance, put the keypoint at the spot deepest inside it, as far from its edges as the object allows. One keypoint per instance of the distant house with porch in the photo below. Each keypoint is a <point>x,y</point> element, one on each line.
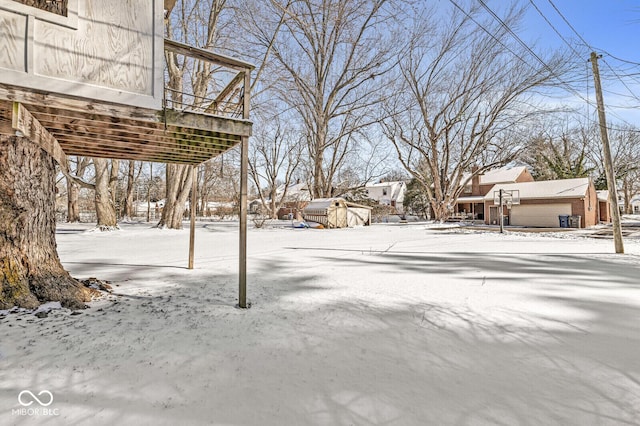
<point>542,203</point>
<point>635,204</point>
<point>388,193</point>
<point>471,204</point>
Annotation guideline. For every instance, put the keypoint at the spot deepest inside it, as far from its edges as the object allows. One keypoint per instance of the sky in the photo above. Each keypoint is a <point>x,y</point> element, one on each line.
<point>610,28</point>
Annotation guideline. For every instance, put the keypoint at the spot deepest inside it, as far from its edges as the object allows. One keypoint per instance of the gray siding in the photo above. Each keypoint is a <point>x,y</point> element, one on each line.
<point>111,51</point>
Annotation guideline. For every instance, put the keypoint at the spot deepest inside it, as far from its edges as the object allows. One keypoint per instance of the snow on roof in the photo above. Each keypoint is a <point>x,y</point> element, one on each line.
<point>323,203</point>
<point>501,175</point>
<point>471,199</point>
<point>563,188</point>
<point>384,184</point>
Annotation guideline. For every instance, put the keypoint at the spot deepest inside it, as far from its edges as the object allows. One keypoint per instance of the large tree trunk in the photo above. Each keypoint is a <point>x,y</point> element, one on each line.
<point>30,270</point>
<point>178,188</point>
<point>73,210</point>
<point>127,210</point>
<point>105,208</point>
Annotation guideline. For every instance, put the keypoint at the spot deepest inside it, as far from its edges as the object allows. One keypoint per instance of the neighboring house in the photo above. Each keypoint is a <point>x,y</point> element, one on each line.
<point>541,203</point>
<point>297,197</point>
<point>295,192</point>
<point>337,213</point>
<point>471,203</point>
<point>604,214</point>
<point>387,193</point>
<point>635,204</point>
<point>603,198</point>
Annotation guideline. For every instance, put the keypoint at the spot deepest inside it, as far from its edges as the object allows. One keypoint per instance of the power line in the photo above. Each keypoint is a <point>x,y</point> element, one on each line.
<point>578,55</point>
<point>622,60</point>
<point>633,95</point>
<point>542,62</point>
<point>569,25</point>
<point>487,31</point>
<point>523,44</point>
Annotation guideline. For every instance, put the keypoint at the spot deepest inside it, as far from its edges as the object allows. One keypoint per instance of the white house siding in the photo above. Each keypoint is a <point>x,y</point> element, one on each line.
<point>543,215</point>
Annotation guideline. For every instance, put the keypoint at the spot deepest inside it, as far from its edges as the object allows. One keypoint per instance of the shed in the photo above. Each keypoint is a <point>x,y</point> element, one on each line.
<point>337,213</point>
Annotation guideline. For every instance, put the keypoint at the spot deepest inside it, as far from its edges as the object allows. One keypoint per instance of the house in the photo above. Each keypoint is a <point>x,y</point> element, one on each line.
<point>603,200</point>
<point>337,213</point>
<point>635,204</point>
<point>541,203</point>
<point>471,203</point>
<point>387,193</point>
<point>298,191</point>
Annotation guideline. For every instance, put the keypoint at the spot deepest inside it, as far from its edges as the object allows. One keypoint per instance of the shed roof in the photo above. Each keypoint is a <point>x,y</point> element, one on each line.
<point>323,203</point>
<point>548,189</point>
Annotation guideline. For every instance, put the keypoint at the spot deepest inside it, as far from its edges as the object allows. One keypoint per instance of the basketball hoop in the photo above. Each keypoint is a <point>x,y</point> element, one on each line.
<point>509,198</point>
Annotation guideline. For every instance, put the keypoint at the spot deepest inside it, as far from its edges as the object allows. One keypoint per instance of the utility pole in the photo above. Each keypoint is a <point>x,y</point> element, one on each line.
<point>608,161</point>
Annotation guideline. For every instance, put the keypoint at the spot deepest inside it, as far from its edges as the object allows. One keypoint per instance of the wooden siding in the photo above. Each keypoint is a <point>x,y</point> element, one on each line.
<point>13,33</point>
<point>114,54</point>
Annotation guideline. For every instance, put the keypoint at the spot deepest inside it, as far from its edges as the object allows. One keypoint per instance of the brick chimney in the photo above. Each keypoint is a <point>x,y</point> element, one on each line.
<point>475,182</point>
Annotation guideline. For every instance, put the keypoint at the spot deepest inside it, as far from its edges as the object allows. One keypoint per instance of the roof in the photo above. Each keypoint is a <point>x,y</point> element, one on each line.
<point>384,184</point>
<point>471,199</point>
<point>547,189</point>
<point>501,175</point>
<point>323,203</point>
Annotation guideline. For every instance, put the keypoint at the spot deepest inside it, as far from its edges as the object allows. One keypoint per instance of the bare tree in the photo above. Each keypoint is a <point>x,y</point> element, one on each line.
<point>134,169</point>
<point>331,56</point>
<point>274,159</point>
<point>195,22</point>
<point>463,97</point>
<point>625,145</point>
<point>77,167</point>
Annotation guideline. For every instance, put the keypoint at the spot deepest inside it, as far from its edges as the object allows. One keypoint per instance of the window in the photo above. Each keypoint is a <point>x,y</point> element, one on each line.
<point>59,7</point>
<point>57,12</point>
<point>384,191</point>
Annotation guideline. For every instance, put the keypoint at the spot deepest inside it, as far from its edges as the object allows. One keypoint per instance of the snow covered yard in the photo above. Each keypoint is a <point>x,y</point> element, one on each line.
<point>388,324</point>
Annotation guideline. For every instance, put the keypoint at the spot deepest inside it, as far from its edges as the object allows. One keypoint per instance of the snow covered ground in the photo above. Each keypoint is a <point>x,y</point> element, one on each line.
<point>400,324</point>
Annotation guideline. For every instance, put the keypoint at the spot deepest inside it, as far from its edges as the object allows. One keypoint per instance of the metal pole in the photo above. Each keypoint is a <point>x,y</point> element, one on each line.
<point>149,192</point>
<point>501,215</point>
<point>244,167</point>
<point>608,159</point>
<point>192,206</point>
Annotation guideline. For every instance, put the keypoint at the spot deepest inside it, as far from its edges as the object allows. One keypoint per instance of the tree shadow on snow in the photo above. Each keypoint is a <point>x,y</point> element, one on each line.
<point>303,355</point>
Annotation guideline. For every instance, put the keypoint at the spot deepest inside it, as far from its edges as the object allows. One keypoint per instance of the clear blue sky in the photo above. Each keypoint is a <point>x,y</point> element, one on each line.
<point>610,27</point>
<point>607,25</point>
